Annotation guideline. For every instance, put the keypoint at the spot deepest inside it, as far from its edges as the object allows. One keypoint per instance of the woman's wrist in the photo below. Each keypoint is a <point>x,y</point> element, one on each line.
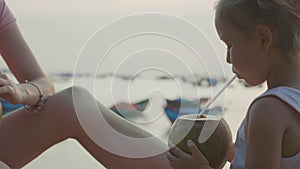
<point>42,98</point>
<point>45,85</point>
<point>30,94</point>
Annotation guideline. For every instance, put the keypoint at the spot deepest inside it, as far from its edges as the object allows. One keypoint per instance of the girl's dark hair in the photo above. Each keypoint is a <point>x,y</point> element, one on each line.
<point>246,14</point>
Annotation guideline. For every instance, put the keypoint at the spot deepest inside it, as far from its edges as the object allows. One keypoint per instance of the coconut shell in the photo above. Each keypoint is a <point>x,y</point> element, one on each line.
<point>216,148</point>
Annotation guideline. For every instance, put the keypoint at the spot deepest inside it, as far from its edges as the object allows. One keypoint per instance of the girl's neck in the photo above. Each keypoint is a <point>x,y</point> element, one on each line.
<point>284,74</point>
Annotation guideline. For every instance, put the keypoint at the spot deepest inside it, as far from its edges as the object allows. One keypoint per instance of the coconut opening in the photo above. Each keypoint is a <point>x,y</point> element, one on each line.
<point>199,117</point>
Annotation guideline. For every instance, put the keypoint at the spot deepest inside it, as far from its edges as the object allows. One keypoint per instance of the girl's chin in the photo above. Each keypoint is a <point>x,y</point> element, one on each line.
<point>239,76</point>
<point>252,84</point>
<point>246,81</point>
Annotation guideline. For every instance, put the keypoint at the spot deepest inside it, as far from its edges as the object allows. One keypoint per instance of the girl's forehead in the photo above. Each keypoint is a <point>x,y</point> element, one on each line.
<point>222,26</point>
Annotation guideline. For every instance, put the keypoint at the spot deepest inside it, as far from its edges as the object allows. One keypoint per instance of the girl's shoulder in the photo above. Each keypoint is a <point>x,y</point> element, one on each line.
<point>282,96</point>
<point>267,120</point>
<point>274,109</point>
<point>280,102</point>
<point>274,116</point>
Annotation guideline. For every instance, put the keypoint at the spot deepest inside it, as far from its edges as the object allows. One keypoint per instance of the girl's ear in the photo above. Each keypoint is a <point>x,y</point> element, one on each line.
<point>264,36</point>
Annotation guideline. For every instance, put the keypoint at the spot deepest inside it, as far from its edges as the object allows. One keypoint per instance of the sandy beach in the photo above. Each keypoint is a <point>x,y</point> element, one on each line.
<point>69,154</point>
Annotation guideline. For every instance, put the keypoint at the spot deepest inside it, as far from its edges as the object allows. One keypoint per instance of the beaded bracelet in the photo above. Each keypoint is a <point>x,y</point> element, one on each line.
<point>42,100</point>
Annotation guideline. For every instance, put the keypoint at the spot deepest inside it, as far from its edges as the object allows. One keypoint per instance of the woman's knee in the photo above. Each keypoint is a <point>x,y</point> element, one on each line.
<point>78,91</point>
<point>80,94</point>
<point>75,92</point>
<point>79,97</point>
<point>68,99</point>
<point>70,103</point>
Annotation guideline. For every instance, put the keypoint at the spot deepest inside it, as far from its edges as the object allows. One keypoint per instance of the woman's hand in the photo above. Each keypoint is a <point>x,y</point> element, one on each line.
<point>181,160</point>
<point>10,91</point>
<point>24,93</point>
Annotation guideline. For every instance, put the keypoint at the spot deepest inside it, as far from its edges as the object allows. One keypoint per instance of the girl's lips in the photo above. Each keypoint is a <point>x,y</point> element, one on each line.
<point>237,74</point>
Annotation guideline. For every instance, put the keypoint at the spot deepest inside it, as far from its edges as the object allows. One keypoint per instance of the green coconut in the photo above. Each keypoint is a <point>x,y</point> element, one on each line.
<point>216,147</point>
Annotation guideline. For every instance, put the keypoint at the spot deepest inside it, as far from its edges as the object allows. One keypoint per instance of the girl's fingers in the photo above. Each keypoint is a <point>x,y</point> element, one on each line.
<point>193,148</point>
<point>171,157</point>
<point>195,151</point>
<point>177,151</point>
<point>173,160</point>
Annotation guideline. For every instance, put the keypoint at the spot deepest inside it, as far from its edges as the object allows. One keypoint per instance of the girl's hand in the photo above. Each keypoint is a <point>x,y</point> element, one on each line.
<point>181,160</point>
<point>10,91</point>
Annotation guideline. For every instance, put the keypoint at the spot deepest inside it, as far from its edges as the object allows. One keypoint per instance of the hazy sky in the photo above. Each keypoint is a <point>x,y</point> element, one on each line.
<point>57,30</point>
<point>52,7</point>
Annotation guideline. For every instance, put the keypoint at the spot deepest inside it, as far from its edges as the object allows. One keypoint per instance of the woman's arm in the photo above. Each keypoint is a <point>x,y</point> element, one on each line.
<point>24,66</point>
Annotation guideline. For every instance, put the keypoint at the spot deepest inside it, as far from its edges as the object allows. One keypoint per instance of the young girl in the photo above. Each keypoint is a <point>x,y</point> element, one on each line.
<point>263,44</point>
<point>48,118</point>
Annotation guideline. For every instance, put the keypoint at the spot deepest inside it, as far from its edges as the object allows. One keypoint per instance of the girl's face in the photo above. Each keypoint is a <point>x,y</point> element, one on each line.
<point>244,52</point>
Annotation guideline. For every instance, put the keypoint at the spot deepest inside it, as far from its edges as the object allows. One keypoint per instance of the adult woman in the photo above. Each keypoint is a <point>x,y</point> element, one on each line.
<point>49,118</point>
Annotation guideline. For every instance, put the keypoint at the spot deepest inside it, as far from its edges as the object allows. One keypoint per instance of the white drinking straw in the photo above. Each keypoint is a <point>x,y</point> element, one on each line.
<point>218,94</point>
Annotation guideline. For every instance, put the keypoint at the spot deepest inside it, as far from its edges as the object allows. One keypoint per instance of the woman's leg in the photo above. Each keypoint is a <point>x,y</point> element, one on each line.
<point>23,137</point>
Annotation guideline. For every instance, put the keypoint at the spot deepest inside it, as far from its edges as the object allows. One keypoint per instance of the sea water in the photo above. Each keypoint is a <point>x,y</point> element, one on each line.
<point>236,102</point>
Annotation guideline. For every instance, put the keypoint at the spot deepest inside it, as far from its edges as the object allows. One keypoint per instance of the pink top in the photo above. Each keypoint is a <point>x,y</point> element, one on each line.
<point>6,17</point>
